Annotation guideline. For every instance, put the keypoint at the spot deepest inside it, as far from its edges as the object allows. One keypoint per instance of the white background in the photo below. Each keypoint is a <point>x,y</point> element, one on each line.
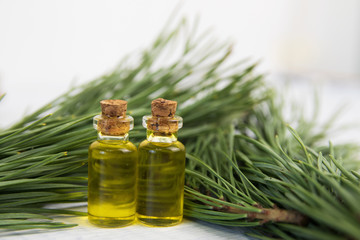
<point>45,46</point>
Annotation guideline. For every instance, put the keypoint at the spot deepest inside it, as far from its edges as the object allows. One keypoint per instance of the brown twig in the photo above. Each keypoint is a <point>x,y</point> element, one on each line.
<point>270,215</point>
<point>274,214</point>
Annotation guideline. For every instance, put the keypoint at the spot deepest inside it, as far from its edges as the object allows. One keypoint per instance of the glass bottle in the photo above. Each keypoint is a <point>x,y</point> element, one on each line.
<point>112,168</point>
<point>161,167</point>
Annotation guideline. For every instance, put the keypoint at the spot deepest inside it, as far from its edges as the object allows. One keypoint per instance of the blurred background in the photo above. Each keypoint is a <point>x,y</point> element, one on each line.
<point>48,46</point>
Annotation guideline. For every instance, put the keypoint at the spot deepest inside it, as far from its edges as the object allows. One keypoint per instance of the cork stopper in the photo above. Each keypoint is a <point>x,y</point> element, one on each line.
<point>162,119</point>
<point>113,120</point>
<point>163,108</point>
<point>113,108</point>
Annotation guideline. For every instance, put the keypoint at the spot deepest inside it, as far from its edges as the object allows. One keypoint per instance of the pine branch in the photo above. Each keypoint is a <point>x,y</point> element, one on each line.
<point>271,165</point>
<point>236,173</point>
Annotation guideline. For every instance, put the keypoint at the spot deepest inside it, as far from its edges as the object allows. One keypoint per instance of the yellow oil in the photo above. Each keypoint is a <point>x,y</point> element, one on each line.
<point>161,169</point>
<point>112,183</point>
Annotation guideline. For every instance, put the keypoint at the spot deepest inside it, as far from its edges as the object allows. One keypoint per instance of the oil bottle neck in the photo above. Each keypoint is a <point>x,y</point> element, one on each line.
<point>162,129</point>
<point>113,128</point>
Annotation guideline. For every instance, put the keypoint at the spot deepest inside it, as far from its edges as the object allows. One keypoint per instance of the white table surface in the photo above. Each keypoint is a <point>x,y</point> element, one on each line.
<point>188,230</point>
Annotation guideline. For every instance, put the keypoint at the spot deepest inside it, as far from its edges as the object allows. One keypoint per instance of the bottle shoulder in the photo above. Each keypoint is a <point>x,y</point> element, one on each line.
<point>112,145</point>
<point>173,146</point>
